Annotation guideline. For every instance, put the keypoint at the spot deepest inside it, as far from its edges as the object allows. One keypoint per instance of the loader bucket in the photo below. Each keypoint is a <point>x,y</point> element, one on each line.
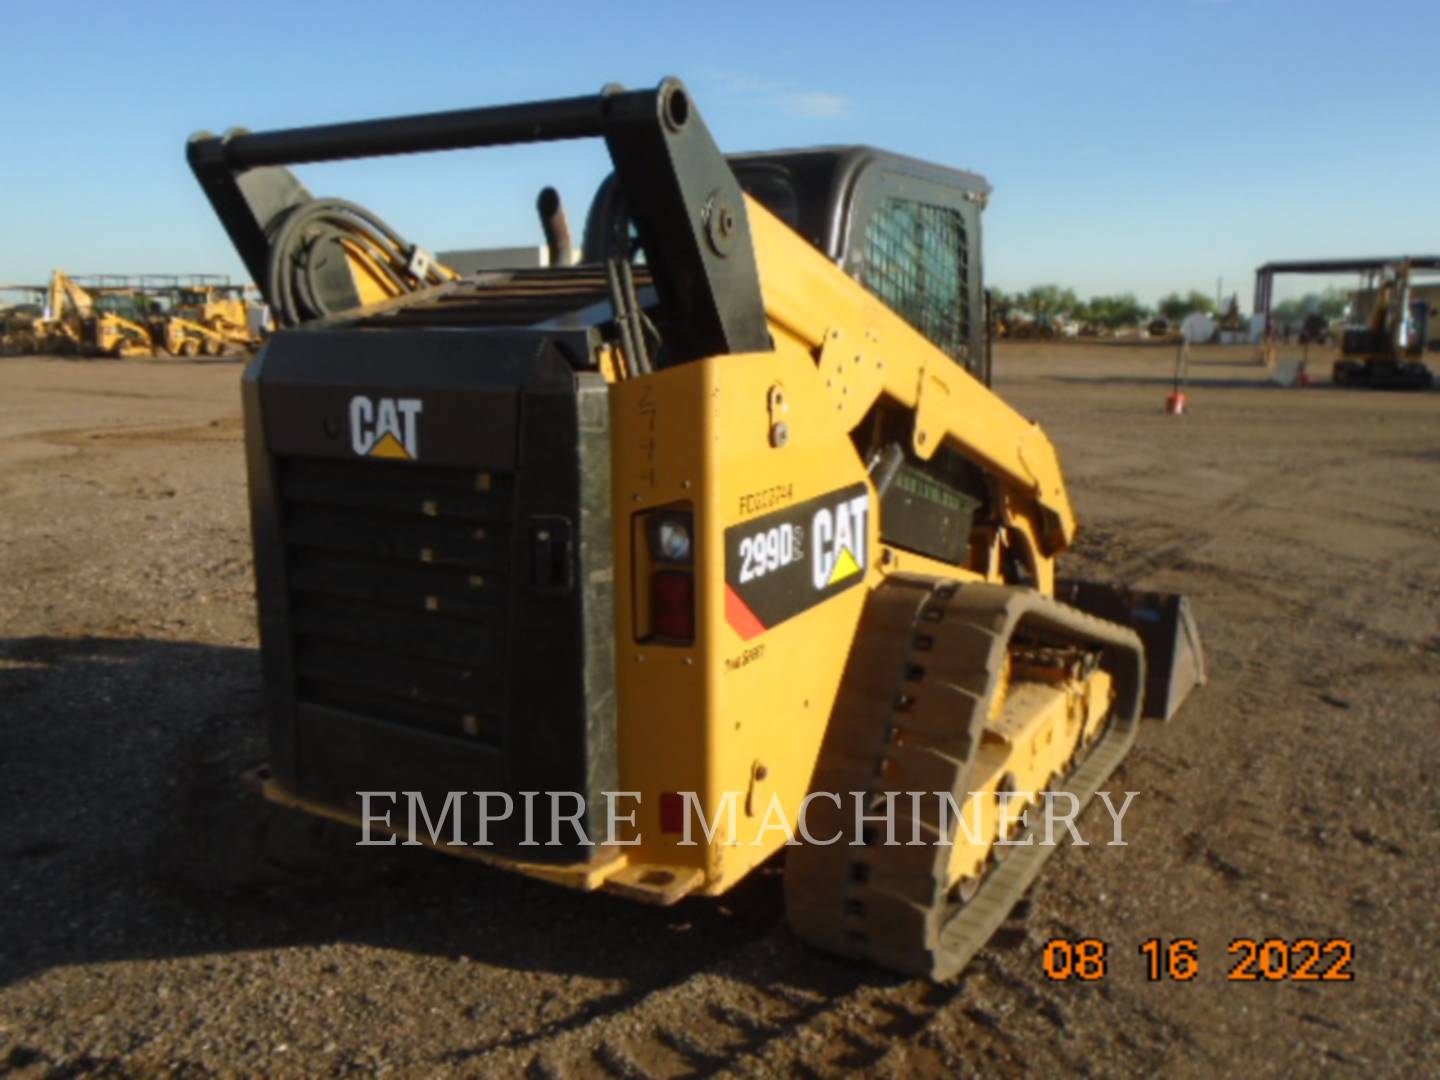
<point>1174,660</point>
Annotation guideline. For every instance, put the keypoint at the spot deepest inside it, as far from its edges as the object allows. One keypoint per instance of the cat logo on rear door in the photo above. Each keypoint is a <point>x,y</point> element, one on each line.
<point>386,427</point>
<point>781,564</point>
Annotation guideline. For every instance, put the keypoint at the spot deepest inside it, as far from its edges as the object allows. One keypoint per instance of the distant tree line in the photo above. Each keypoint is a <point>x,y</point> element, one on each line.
<point>1048,302</point>
<point>1330,304</point>
<point>1044,303</point>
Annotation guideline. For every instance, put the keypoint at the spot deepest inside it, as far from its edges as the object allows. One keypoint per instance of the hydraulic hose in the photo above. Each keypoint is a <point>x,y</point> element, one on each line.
<point>317,231</point>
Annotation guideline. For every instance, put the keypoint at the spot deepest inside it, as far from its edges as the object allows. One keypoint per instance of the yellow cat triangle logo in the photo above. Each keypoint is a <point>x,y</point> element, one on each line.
<point>387,446</point>
<point>845,565</point>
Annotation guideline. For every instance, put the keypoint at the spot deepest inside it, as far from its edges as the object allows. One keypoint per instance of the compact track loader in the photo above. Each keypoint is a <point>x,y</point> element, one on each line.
<point>111,334</point>
<point>719,518</point>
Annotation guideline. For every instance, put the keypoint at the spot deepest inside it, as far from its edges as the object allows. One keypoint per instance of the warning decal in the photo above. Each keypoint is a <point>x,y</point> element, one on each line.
<point>784,563</point>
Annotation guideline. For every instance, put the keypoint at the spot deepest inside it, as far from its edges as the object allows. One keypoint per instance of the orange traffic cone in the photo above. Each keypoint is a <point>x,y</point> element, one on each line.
<point>1175,400</point>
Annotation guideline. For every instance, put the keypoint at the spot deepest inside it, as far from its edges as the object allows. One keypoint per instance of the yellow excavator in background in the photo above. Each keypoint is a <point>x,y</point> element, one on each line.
<point>1386,352</point>
<point>59,327</point>
<point>106,322</point>
<point>129,316</point>
<point>735,529</point>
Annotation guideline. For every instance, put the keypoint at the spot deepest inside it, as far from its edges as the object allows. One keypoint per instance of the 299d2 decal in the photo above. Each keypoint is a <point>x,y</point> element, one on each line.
<point>770,550</point>
<point>781,564</point>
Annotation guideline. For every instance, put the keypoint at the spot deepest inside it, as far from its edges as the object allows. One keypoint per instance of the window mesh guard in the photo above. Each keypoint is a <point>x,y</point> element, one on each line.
<point>916,260</point>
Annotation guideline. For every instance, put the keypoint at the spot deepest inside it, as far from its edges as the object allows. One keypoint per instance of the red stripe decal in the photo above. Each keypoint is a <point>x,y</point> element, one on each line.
<point>740,617</point>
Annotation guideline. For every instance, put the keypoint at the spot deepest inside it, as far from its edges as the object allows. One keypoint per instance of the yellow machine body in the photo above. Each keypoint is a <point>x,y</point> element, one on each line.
<point>782,390</point>
<point>742,720</point>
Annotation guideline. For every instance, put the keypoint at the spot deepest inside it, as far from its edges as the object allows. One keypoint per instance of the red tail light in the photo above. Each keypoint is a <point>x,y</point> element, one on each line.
<point>672,604</point>
<point>672,812</point>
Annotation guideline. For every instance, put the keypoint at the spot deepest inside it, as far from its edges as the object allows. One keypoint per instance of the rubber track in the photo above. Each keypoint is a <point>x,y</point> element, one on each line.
<point>912,707</point>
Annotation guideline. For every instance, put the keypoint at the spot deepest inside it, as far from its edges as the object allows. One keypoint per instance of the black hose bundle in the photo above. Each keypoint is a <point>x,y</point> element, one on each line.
<point>321,230</point>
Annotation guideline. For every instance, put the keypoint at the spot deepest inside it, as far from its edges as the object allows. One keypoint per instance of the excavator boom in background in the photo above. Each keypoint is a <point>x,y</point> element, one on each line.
<point>133,316</point>
<point>60,326</point>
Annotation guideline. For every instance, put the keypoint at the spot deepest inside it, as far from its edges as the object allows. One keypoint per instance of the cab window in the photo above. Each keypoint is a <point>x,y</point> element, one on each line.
<point>916,260</point>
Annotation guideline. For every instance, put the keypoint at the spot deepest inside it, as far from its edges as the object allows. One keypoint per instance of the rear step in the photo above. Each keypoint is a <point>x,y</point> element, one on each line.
<point>1174,660</point>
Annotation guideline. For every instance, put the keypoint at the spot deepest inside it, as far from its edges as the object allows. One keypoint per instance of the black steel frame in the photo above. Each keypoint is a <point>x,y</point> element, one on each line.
<point>1265,275</point>
<point>689,209</point>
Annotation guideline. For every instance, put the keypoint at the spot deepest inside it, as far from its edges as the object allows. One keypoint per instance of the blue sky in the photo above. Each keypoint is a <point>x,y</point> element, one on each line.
<point>1148,145</point>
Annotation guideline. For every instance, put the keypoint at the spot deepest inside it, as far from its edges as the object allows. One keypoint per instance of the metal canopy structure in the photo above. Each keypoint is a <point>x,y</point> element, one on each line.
<point>1265,275</point>
<point>140,282</point>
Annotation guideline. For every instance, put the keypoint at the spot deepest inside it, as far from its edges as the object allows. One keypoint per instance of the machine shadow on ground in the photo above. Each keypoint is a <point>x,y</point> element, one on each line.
<point>131,831</point>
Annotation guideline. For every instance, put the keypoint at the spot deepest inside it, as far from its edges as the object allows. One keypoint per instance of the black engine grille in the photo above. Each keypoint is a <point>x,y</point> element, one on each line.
<point>399,578</point>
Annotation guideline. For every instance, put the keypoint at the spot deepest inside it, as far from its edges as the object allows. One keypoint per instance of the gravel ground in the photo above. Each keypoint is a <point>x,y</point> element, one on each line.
<point>158,916</point>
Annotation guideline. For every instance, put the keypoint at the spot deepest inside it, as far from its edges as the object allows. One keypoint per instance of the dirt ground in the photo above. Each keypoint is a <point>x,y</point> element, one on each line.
<point>155,915</point>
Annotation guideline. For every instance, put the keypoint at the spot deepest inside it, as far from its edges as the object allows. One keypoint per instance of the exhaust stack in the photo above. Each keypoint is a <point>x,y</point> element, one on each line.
<point>557,229</point>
